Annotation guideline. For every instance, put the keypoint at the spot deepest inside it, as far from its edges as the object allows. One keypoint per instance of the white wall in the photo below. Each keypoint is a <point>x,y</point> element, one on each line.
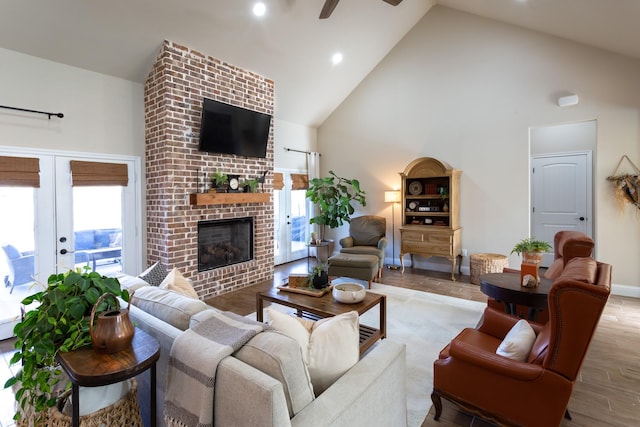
<point>466,90</point>
<point>296,137</point>
<point>102,114</point>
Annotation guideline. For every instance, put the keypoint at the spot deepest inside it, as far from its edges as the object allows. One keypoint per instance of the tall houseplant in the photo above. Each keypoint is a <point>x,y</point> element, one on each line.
<point>333,196</point>
<point>59,323</point>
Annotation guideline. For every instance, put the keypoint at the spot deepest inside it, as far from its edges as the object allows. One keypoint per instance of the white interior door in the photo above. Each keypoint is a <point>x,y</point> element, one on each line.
<point>561,196</point>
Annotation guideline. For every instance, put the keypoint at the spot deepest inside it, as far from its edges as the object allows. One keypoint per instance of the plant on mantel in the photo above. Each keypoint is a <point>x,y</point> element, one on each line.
<point>59,323</point>
<point>250,185</point>
<point>219,180</point>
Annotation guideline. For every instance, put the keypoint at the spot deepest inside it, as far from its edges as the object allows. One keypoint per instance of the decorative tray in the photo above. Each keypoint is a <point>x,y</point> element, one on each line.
<point>306,291</point>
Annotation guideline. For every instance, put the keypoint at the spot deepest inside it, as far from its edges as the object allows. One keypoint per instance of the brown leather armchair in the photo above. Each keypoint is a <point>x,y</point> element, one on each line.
<point>568,244</point>
<point>535,392</point>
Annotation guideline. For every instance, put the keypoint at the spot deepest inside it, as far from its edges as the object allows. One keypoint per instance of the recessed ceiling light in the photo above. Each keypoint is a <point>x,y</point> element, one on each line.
<point>259,9</point>
<point>336,58</point>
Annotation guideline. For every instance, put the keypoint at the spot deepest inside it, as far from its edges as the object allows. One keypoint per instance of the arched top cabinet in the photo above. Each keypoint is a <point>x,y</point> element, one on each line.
<point>431,210</point>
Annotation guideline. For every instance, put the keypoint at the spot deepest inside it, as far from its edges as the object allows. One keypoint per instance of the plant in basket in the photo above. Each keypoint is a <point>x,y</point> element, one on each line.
<point>59,322</point>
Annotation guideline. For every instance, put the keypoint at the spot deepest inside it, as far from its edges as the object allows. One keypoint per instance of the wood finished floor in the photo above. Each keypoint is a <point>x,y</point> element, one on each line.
<point>607,392</point>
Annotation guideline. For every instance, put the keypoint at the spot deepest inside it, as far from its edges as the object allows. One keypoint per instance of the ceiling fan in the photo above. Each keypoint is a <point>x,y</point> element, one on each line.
<point>329,5</point>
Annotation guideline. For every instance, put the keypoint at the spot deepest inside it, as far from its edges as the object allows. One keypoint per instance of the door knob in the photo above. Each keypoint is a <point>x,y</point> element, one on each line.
<point>581,218</point>
<point>64,251</point>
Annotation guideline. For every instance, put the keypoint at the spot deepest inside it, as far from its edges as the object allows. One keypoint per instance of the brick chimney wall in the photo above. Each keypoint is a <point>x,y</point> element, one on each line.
<point>174,92</point>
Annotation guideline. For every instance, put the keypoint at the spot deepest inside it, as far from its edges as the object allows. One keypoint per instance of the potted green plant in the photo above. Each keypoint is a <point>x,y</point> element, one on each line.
<point>59,322</point>
<point>333,196</point>
<point>250,185</point>
<point>219,181</point>
<point>319,277</point>
<point>531,249</point>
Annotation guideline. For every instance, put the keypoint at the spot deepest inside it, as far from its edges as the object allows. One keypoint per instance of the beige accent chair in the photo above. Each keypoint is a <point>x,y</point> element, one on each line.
<point>367,236</point>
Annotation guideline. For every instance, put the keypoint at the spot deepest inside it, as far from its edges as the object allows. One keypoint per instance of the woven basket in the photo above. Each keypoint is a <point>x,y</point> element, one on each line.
<point>124,412</point>
<point>486,263</point>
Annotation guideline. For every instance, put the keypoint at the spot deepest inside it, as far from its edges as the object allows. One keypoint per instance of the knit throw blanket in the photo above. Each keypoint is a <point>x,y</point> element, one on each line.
<point>193,361</point>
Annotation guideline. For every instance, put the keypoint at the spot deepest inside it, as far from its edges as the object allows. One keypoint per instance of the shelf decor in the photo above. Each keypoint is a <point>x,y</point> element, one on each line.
<point>626,186</point>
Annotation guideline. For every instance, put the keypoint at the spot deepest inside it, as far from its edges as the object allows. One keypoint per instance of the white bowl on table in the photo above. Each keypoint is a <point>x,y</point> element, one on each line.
<point>348,293</point>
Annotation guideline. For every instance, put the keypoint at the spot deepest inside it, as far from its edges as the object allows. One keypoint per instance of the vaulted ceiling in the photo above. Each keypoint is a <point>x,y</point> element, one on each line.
<point>289,44</point>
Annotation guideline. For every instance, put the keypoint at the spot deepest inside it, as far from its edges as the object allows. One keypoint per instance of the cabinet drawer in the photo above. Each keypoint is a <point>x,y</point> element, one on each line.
<point>426,248</point>
<point>426,237</point>
<point>430,242</point>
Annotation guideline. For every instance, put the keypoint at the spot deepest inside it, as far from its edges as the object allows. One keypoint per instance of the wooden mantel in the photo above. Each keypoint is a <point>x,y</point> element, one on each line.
<point>228,198</point>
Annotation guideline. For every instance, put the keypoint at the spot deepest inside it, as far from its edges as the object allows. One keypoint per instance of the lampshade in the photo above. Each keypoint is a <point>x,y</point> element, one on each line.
<point>392,196</point>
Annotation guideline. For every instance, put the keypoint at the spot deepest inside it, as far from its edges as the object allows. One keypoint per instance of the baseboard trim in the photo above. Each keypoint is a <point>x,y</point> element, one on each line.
<point>625,290</point>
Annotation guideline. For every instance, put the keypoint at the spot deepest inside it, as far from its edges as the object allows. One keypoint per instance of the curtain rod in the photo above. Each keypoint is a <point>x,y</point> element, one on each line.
<point>299,151</point>
<point>33,111</point>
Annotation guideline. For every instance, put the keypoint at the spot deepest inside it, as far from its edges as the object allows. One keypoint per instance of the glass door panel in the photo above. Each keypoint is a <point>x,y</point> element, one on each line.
<point>97,233</point>
<point>17,265</point>
<point>291,223</point>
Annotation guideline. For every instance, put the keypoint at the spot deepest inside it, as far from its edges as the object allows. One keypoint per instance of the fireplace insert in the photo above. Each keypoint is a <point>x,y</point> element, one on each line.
<point>224,242</point>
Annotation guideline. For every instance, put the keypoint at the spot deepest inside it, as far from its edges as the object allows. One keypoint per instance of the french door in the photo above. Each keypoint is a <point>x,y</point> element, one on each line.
<point>63,224</point>
<point>291,219</point>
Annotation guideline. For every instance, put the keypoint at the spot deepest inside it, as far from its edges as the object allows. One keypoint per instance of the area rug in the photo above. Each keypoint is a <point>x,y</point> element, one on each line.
<point>425,323</point>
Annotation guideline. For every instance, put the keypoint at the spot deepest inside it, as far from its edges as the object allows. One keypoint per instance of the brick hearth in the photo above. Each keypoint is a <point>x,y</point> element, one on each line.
<point>174,91</point>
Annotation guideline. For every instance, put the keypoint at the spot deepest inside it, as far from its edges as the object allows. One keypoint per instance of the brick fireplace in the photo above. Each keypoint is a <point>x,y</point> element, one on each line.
<point>174,92</point>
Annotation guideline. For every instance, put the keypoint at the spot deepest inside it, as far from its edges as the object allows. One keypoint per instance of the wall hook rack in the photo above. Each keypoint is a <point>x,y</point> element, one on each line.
<point>60,115</point>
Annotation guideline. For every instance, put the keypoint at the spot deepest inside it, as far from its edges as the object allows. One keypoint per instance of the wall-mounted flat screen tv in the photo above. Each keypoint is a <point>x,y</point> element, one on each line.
<point>228,129</point>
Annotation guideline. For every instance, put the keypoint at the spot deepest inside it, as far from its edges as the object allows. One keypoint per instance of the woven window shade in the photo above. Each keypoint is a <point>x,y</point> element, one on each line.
<point>19,171</point>
<point>299,181</point>
<point>278,181</point>
<point>96,173</point>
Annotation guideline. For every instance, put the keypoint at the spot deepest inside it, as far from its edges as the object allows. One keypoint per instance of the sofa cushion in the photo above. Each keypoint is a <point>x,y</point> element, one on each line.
<point>176,282</point>
<point>155,274</point>
<point>517,343</point>
<point>280,357</point>
<point>171,307</point>
<point>330,346</point>
<point>582,269</point>
<point>131,283</point>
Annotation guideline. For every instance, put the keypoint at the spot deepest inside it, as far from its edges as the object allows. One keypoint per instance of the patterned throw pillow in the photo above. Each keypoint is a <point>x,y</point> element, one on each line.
<point>155,274</point>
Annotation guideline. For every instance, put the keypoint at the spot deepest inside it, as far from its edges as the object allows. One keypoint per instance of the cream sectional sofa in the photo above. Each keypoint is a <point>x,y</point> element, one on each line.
<point>266,383</point>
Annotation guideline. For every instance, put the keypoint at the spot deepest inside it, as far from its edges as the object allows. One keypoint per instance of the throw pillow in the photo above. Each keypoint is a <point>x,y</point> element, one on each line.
<point>517,343</point>
<point>155,274</point>
<point>330,347</point>
<point>176,282</point>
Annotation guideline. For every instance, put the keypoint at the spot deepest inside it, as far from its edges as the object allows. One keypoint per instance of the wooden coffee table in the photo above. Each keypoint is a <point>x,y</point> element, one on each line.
<point>314,307</point>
